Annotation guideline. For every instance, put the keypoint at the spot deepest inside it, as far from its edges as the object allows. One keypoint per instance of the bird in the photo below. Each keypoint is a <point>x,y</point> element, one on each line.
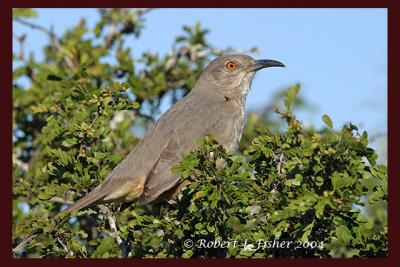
<point>215,106</point>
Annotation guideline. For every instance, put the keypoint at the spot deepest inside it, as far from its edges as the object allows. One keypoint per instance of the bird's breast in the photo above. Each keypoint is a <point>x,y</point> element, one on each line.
<point>229,127</point>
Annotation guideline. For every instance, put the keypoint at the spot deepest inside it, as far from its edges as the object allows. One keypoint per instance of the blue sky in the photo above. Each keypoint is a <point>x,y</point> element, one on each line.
<point>338,55</point>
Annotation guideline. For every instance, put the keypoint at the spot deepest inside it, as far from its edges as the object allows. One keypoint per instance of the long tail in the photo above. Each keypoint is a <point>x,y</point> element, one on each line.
<point>94,196</point>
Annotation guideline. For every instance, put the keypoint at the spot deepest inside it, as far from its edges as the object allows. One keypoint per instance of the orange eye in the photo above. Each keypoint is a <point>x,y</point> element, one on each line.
<point>231,65</point>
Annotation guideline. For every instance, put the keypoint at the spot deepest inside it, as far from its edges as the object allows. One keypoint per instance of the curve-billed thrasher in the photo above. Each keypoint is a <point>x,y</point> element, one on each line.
<point>214,106</point>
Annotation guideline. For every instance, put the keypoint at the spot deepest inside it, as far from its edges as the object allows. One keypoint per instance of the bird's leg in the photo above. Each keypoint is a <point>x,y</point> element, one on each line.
<point>65,248</point>
<point>220,163</point>
<point>281,160</point>
<point>125,246</point>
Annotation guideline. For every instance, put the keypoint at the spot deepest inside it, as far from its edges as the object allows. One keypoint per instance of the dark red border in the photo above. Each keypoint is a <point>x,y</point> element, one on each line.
<point>204,3</point>
<point>6,128</point>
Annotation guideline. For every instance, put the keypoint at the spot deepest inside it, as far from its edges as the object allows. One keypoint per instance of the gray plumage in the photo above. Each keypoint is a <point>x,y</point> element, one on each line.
<point>215,106</point>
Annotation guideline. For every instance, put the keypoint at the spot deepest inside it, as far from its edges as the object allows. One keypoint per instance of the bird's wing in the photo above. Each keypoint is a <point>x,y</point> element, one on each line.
<point>161,178</point>
<point>184,140</point>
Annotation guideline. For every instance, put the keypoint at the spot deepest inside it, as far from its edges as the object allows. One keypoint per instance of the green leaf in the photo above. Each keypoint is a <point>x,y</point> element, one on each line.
<point>379,194</point>
<point>24,12</point>
<point>291,95</point>
<point>234,223</point>
<point>341,180</point>
<point>307,232</point>
<point>199,194</point>
<point>214,199</point>
<point>343,234</point>
<point>48,193</point>
<point>106,245</point>
<point>320,206</point>
<point>69,142</point>
<point>199,226</point>
<point>319,180</point>
<point>187,254</point>
<point>327,120</point>
<point>364,221</point>
<point>277,232</point>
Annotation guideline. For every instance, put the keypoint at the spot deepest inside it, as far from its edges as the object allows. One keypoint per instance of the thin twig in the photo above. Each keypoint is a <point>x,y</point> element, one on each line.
<point>54,39</point>
<point>20,247</point>
<point>37,27</point>
<point>61,200</point>
<point>94,121</point>
<point>71,253</point>
<point>20,39</point>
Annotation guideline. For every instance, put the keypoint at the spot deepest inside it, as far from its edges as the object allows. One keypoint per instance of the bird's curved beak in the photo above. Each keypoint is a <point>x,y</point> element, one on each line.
<point>266,63</point>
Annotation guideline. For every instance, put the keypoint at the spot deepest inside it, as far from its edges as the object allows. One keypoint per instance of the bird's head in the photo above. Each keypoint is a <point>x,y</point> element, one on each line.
<point>232,74</point>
